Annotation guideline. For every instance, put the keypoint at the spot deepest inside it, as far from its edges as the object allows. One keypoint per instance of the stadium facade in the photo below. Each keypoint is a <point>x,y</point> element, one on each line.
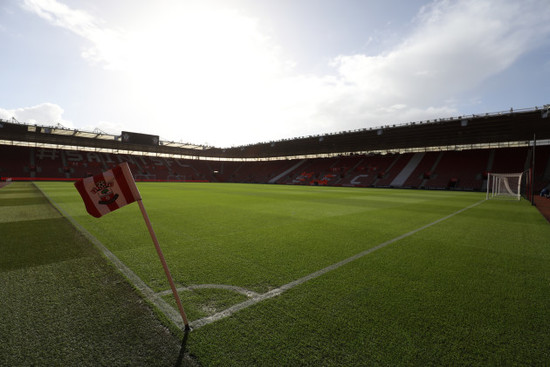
<point>447,153</point>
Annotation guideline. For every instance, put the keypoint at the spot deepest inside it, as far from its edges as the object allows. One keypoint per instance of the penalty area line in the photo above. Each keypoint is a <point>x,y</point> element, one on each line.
<point>277,291</point>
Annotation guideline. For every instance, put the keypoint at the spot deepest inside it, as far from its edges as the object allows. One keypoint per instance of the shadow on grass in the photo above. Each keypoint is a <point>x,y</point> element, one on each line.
<point>40,242</point>
<point>63,304</point>
<point>22,201</point>
<point>184,359</point>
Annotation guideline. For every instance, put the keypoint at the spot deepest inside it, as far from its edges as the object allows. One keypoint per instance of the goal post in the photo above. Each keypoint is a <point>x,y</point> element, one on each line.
<point>506,185</point>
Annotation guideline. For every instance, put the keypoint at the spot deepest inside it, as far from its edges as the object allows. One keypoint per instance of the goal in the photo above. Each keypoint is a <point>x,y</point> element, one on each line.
<point>506,185</point>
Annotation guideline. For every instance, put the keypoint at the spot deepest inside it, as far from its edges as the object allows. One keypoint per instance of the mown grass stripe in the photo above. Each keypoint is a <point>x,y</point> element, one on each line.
<point>172,314</point>
<point>146,292</point>
<point>277,291</point>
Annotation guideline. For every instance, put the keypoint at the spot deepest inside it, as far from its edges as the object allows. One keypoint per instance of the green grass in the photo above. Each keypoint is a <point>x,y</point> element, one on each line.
<point>61,302</point>
<point>257,237</point>
<point>471,290</point>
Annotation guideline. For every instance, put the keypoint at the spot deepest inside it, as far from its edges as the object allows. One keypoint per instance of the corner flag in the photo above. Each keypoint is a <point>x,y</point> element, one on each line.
<point>108,191</point>
<point>113,189</point>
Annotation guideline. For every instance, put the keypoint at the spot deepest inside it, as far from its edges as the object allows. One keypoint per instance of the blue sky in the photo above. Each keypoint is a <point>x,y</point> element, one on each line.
<point>232,72</point>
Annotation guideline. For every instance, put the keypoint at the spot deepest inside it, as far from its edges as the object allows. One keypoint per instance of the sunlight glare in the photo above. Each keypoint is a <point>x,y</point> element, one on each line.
<point>215,64</point>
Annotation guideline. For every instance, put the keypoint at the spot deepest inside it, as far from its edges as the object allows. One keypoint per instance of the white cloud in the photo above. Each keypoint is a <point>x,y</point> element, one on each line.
<point>212,75</point>
<point>106,43</point>
<point>455,47</point>
<point>47,114</point>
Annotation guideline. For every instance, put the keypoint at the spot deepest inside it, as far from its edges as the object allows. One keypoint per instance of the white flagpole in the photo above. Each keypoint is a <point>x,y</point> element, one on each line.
<point>164,265</point>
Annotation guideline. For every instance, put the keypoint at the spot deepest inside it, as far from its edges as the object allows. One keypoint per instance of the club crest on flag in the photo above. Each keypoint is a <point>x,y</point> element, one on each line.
<point>105,193</point>
<point>108,191</point>
<point>116,188</point>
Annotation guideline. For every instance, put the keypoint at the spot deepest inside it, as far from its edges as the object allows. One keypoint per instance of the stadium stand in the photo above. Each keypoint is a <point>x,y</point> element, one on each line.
<point>542,168</point>
<point>460,170</point>
<point>397,166</point>
<point>14,161</point>
<point>423,170</point>
<point>453,153</point>
<point>371,169</point>
<point>510,160</point>
<point>316,171</point>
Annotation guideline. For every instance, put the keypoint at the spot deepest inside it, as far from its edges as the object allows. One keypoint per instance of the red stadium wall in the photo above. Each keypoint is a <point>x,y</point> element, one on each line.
<point>459,170</point>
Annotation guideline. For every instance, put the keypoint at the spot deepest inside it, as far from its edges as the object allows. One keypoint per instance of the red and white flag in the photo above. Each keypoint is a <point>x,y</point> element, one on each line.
<point>113,189</point>
<point>108,191</point>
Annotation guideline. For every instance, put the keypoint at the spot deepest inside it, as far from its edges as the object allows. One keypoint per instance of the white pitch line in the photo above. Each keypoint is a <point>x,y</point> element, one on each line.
<point>170,312</point>
<point>277,291</point>
<point>233,288</point>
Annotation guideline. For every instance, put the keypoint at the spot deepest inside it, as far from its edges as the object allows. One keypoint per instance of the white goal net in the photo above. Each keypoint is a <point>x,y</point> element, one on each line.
<point>504,185</point>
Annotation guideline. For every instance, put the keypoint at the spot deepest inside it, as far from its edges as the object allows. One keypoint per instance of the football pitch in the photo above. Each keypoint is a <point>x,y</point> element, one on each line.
<point>274,275</point>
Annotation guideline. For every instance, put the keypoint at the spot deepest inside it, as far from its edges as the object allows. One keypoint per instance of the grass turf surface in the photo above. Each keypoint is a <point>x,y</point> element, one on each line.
<point>61,302</point>
<point>471,290</point>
